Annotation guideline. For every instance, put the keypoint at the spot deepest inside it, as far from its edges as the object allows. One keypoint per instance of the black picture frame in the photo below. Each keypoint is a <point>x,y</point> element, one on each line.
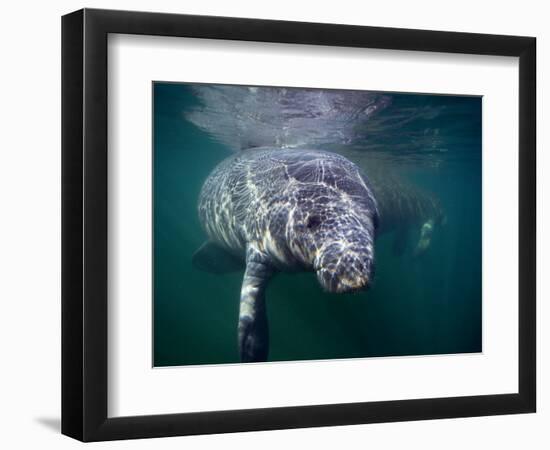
<point>84,224</point>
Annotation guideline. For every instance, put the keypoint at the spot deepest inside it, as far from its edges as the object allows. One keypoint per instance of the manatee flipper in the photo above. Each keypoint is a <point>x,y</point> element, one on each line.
<point>426,232</point>
<point>210,257</point>
<point>253,328</point>
<point>400,241</point>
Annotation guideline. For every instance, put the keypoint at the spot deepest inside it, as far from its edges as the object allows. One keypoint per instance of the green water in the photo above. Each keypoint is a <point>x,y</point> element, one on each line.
<point>418,305</point>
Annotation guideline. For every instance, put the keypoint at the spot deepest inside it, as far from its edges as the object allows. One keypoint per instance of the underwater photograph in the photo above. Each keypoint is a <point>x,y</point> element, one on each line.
<point>295,224</point>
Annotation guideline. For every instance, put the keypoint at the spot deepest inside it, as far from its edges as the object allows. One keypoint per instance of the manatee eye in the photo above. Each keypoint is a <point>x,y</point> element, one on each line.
<point>313,222</point>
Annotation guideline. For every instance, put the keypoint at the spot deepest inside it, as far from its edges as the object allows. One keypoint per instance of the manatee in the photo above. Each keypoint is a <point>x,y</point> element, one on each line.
<point>271,210</point>
<point>411,213</point>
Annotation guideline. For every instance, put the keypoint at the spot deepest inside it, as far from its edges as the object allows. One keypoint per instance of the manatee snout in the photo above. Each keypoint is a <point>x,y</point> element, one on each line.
<point>343,269</point>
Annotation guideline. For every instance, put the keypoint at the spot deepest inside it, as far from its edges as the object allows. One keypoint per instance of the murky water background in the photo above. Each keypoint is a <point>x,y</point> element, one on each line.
<point>430,304</point>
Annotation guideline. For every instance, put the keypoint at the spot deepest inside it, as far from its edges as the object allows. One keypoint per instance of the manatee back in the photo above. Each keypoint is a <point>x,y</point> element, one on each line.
<point>237,195</point>
<point>252,192</point>
<point>217,203</point>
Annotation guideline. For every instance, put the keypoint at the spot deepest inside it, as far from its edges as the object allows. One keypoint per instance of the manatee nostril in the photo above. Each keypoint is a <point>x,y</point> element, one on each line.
<point>313,222</point>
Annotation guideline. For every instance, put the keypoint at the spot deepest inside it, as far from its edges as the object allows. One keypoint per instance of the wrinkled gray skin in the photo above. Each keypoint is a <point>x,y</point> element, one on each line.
<point>287,210</point>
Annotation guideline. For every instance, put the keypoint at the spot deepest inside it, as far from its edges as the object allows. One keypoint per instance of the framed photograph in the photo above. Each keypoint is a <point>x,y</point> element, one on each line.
<point>273,224</point>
